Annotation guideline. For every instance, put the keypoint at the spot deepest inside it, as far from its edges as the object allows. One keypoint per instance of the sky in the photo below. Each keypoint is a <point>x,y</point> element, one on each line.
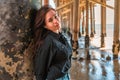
<point>109,12</point>
<point>52,3</point>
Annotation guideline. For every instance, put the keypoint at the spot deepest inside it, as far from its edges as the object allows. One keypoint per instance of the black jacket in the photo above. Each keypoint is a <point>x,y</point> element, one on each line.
<point>53,57</point>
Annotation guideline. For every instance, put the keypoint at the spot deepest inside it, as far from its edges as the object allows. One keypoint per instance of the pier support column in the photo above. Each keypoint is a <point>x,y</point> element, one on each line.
<point>69,33</point>
<point>116,42</point>
<point>46,2</point>
<point>103,23</point>
<point>71,19</point>
<point>57,2</point>
<point>83,21</point>
<point>91,20</point>
<point>87,25</point>
<point>79,18</point>
<point>75,27</point>
<point>71,24</point>
<point>116,68</point>
<point>102,40</point>
<point>94,19</point>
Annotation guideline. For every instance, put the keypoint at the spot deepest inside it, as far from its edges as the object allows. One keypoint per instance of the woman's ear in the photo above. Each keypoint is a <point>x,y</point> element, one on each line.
<point>45,27</point>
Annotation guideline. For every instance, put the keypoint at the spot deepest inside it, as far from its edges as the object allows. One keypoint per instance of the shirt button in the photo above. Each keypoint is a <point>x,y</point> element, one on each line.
<point>62,46</point>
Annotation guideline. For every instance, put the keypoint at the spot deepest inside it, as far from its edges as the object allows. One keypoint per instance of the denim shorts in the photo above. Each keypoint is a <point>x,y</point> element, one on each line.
<point>65,77</point>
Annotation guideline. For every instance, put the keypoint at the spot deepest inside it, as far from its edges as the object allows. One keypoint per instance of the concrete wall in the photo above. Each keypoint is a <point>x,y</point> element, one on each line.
<point>15,37</point>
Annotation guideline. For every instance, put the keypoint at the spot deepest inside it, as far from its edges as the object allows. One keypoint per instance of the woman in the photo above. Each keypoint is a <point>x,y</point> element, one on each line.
<point>52,59</point>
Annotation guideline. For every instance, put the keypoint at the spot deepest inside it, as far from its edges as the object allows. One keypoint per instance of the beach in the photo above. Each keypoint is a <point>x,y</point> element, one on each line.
<point>101,65</point>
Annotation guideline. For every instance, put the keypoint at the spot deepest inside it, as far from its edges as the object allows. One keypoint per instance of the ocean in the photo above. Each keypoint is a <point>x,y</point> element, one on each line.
<point>96,40</point>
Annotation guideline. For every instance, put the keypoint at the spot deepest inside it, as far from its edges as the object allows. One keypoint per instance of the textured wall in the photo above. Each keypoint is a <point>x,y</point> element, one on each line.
<point>15,37</point>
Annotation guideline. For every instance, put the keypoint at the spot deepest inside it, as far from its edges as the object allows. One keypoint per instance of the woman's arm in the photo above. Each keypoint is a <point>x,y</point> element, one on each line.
<point>42,60</point>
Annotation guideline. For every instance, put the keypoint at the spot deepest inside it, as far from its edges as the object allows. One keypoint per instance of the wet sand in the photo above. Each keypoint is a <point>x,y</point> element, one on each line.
<point>100,65</point>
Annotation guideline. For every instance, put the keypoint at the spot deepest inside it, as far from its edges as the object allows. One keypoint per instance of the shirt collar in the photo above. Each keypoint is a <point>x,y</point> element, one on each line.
<point>54,34</point>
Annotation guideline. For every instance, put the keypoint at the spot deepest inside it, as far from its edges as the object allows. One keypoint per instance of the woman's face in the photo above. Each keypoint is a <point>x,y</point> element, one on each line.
<point>52,21</point>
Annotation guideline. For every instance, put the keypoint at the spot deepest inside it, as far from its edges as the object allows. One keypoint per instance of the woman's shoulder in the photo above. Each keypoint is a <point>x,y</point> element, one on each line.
<point>50,39</point>
<point>52,36</point>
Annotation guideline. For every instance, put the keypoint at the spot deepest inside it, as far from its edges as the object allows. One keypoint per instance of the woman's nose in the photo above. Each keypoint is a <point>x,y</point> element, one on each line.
<point>56,21</point>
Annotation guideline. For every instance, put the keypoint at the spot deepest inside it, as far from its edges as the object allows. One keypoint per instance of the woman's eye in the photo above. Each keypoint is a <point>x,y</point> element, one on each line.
<point>50,20</point>
<point>55,17</point>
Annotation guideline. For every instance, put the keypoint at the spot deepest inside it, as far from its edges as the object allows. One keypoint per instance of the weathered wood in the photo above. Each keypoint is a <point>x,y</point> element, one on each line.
<point>64,5</point>
<point>87,25</point>
<point>116,41</point>
<point>46,2</point>
<point>91,20</point>
<point>103,23</point>
<point>102,4</point>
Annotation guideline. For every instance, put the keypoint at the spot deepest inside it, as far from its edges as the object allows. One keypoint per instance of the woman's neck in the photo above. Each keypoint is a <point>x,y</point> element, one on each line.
<point>57,31</point>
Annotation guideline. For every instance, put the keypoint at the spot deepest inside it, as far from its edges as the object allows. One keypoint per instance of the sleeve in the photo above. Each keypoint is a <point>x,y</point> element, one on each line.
<point>56,72</point>
<point>59,67</point>
<point>42,60</point>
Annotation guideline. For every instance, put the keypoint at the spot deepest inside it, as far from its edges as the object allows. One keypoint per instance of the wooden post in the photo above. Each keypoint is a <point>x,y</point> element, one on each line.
<point>71,19</point>
<point>116,42</point>
<point>87,25</point>
<point>57,5</point>
<point>83,21</point>
<point>75,26</point>
<point>46,2</point>
<point>94,19</point>
<point>103,23</point>
<point>79,18</point>
<point>91,20</point>
<point>71,24</point>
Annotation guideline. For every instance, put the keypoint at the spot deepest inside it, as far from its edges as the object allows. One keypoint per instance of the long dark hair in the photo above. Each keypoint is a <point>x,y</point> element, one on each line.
<point>39,31</point>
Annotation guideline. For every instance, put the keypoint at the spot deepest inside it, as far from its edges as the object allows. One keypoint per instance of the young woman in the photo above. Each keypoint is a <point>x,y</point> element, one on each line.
<point>52,59</point>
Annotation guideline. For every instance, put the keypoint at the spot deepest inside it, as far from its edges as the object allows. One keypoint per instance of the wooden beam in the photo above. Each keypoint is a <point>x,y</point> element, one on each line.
<point>64,17</point>
<point>46,2</point>
<point>60,7</point>
<point>81,4</point>
<point>104,5</point>
<point>66,11</point>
